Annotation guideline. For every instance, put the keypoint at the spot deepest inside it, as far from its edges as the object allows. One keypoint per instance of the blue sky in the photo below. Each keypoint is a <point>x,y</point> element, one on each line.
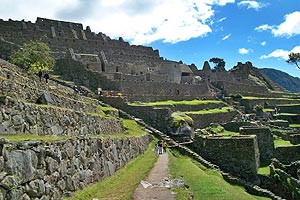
<point>262,32</point>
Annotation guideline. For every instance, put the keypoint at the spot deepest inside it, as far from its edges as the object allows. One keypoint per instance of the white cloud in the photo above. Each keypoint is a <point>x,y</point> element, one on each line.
<point>252,4</point>
<point>244,51</point>
<point>140,22</point>
<point>280,53</point>
<point>290,27</point>
<point>222,19</point>
<point>226,37</point>
<point>264,27</point>
<point>263,43</point>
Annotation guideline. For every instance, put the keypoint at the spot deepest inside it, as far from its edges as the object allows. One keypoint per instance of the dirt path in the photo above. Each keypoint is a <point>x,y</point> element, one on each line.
<point>153,188</point>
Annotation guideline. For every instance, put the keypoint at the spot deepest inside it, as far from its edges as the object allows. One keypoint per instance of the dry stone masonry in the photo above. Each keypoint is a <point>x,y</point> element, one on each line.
<point>52,170</point>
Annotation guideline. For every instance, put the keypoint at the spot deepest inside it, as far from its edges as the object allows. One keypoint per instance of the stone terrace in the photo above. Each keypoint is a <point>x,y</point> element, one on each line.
<point>67,113</point>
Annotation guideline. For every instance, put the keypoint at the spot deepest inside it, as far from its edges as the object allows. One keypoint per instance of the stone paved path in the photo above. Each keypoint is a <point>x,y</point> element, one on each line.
<point>156,176</point>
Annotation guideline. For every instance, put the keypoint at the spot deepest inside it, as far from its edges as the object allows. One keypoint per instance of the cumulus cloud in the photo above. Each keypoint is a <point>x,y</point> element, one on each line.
<point>280,53</point>
<point>288,28</point>
<point>140,22</point>
<point>226,37</point>
<point>263,43</point>
<point>244,51</point>
<point>252,5</point>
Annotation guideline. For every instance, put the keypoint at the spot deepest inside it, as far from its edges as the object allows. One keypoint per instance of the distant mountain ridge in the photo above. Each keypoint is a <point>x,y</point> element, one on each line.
<point>283,79</point>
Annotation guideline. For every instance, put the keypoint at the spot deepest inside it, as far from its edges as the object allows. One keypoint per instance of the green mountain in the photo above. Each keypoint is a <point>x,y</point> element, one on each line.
<point>283,79</point>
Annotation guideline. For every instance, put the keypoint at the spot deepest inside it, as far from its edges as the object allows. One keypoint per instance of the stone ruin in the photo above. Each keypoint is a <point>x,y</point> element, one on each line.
<point>134,71</point>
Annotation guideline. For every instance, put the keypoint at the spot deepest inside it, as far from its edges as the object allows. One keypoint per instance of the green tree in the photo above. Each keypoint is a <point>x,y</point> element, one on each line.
<point>219,63</point>
<point>34,56</point>
<point>294,58</point>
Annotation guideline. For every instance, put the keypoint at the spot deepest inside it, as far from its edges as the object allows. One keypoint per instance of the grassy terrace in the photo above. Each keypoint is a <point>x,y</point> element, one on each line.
<point>203,182</point>
<point>209,111</point>
<point>278,142</point>
<point>132,129</point>
<point>171,102</point>
<point>267,98</point>
<point>294,125</point>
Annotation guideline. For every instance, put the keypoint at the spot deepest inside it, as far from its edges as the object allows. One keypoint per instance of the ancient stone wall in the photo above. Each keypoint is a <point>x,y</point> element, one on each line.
<point>287,154</point>
<point>153,91</point>
<point>204,106</point>
<point>204,120</point>
<point>266,102</point>
<point>244,89</point>
<point>264,138</point>
<point>157,117</point>
<point>236,155</point>
<point>52,170</point>
<point>235,125</point>
<point>289,108</point>
<point>18,117</point>
<point>28,88</point>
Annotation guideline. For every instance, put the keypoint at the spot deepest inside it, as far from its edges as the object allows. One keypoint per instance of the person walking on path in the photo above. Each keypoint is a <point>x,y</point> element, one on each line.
<point>164,146</point>
<point>46,77</point>
<point>156,150</point>
<point>159,144</point>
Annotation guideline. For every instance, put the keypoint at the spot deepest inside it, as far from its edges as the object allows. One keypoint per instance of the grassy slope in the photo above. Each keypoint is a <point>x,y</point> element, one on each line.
<point>204,183</point>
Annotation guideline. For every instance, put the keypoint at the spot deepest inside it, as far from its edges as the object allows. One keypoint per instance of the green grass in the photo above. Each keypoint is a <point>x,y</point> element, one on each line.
<point>295,125</point>
<point>210,111</point>
<point>265,170</point>
<point>268,110</point>
<point>171,102</point>
<point>279,142</point>
<point>286,114</point>
<point>123,183</point>
<point>132,128</point>
<point>266,98</point>
<point>205,184</point>
<point>178,117</point>
<point>219,130</point>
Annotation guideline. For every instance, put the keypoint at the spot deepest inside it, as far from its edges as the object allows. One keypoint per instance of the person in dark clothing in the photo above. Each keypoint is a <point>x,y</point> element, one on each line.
<point>160,149</point>
<point>40,75</point>
<point>46,77</point>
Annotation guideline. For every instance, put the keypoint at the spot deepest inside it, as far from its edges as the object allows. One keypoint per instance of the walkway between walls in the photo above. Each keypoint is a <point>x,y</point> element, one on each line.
<point>154,186</point>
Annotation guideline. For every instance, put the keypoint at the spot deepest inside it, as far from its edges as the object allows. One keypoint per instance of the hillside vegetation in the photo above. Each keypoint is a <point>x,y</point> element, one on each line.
<point>283,79</point>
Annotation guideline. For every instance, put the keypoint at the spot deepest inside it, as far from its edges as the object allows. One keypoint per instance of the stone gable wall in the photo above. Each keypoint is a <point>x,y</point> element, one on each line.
<point>236,155</point>
<point>52,170</point>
